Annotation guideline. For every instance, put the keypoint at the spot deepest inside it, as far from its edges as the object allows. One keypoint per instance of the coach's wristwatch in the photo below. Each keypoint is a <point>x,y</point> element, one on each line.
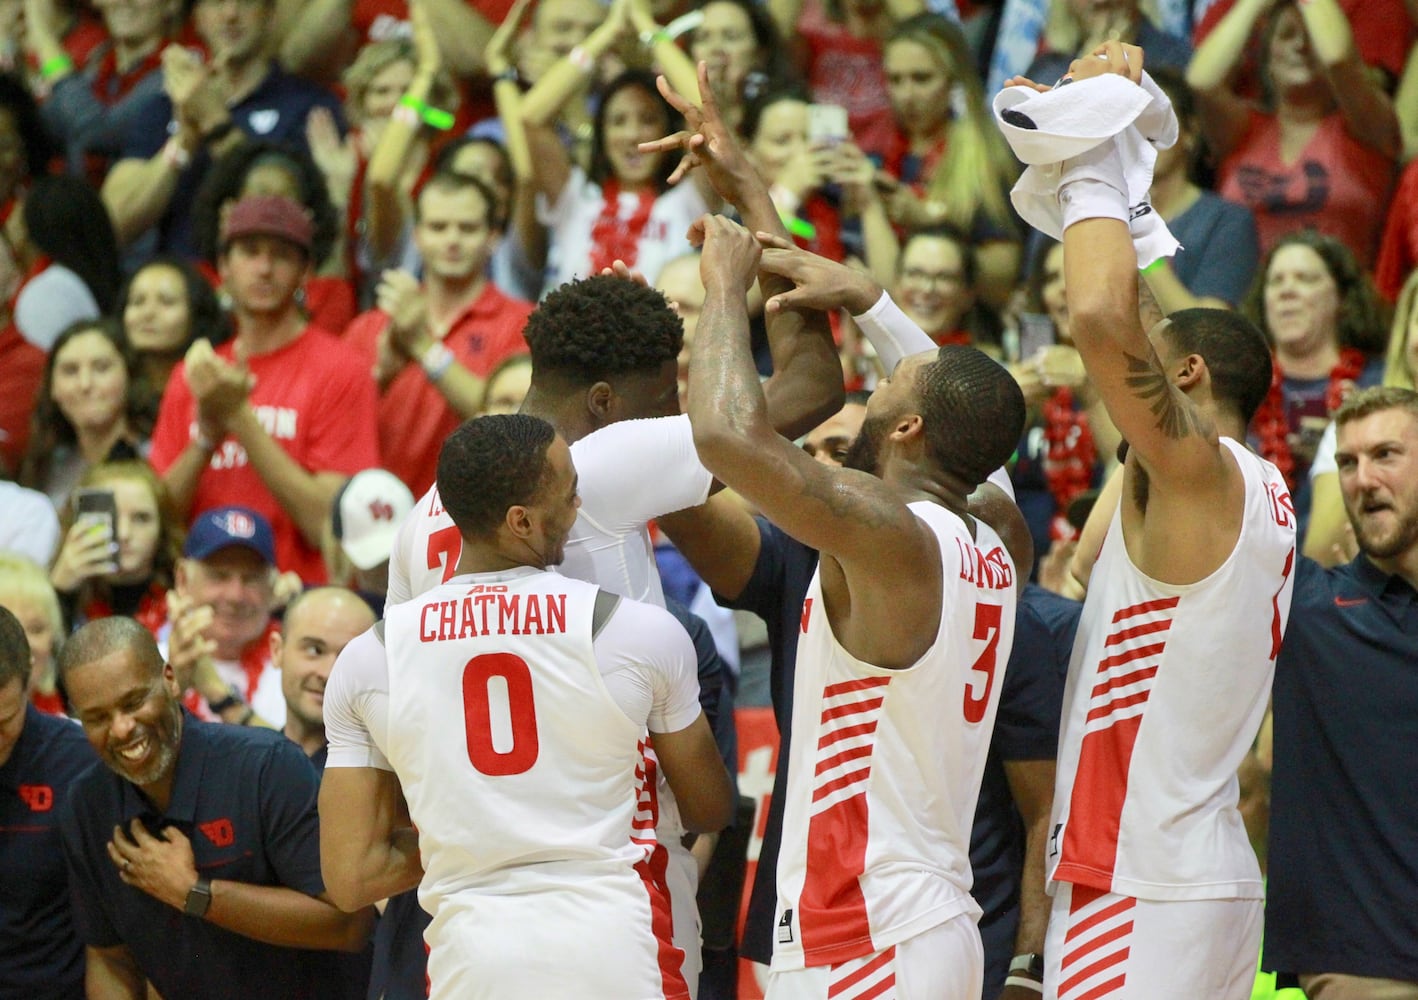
<point>199,898</point>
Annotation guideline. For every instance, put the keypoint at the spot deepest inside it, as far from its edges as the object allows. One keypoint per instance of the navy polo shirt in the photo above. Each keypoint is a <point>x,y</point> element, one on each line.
<point>275,111</point>
<point>245,798</point>
<point>1342,895</point>
<point>41,957</point>
<point>1026,729</point>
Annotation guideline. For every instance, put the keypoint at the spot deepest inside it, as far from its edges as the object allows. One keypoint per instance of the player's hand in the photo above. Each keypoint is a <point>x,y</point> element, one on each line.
<point>335,156</point>
<point>286,588</point>
<point>729,257</point>
<point>162,866</point>
<point>706,142</point>
<point>187,642</point>
<point>1024,81</point>
<point>1111,57</point>
<point>818,283</point>
<point>497,56</point>
<point>88,551</point>
<point>219,387</point>
<point>620,269</point>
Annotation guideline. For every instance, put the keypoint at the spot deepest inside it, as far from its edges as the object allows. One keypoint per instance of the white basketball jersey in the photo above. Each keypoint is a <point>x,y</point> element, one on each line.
<point>528,791</point>
<point>1166,691</point>
<point>886,765</point>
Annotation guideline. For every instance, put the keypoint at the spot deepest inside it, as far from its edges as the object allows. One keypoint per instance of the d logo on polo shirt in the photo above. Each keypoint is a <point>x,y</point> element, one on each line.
<point>238,525</point>
<point>219,832</point>
<point>40,798</point>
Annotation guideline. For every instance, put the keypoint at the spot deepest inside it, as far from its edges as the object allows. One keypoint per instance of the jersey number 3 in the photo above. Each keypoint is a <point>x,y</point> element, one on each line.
<point>977,694</point>
<point>501,683</point>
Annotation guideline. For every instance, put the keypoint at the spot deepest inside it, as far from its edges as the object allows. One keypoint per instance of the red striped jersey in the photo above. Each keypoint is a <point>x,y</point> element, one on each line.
<point>885,765</point>
<point>1166,691</point>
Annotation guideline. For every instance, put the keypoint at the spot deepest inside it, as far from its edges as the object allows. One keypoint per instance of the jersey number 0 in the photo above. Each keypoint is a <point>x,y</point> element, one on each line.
<point>512,700</point>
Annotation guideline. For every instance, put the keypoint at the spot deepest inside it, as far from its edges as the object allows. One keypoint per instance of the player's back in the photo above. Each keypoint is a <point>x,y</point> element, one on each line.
<point>886,765</point>
<point>1165,693</point>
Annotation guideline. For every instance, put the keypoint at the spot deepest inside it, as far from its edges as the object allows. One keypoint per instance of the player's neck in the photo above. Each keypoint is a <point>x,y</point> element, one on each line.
<point>262,333</point>
<point>493,557</point>
<point>564,411</point>
<point>916,482</point>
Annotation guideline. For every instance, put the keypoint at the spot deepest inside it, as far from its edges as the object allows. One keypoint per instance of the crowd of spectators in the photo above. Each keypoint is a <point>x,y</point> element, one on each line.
<point>260,257</point>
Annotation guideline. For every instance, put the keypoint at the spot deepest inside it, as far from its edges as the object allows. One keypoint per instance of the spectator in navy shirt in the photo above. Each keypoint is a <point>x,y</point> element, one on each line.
<point>40,757</point>
<point>1342,902</point>
<point>204,110</point>
<point>193,854</point>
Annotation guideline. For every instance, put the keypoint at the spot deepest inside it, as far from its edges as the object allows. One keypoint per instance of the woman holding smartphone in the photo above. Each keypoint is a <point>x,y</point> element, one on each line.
<point>120,564</point>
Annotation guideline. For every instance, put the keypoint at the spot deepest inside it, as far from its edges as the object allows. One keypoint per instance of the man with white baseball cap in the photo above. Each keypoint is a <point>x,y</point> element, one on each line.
<point>365,519</point>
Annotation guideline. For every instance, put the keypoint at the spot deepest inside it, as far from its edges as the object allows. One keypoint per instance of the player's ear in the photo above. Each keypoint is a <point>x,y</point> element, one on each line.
<point>599,400</point>
<point>519,521</point>
<point>908,426</point>
<point>1188,371</point>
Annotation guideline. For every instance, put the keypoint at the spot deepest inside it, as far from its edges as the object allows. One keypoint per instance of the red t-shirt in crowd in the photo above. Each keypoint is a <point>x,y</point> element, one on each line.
<point>1335,185</point>
<point>316,398</point>
<point>21,373</point>
<point>414,418</point>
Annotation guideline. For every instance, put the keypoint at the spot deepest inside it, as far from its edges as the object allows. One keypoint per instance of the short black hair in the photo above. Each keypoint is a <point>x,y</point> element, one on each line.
<point>14,650</point>
<point>973,412</point>
<point>15,97</point>
<point>104,636</point>
<point>597,327</point>
<point>454,181</point>
<point>1235,352</point>
<point>67,219</point>
<point>490,464</point>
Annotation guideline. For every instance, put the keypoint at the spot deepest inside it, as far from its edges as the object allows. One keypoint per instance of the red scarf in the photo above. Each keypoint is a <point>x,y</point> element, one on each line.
<point>1272,423</point>
<point>151,613</point>
<point>612,239</point>
<point>1069,457</point>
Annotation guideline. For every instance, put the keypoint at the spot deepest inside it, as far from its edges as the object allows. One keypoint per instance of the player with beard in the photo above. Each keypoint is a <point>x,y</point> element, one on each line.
<point>194,853</point>
<point>905,627</point>
<point>1156,889</point>
<point>547,686</point>
<point>1342,864</point>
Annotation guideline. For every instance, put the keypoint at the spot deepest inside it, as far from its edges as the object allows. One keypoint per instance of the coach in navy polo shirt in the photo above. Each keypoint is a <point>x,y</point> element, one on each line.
<point>193,853</point>
<point>40,756</point>
<point>1342,901</point>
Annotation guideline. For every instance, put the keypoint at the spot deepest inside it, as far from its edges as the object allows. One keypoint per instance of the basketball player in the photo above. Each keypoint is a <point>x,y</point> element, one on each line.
<point>906,621</point>
<point>1157,892</point>
<point>604,373</point>
<point>508,707</point>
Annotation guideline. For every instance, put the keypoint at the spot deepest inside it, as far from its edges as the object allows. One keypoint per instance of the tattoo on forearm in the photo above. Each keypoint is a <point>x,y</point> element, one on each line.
<point>1147,381</point>
<point>1148,309</point>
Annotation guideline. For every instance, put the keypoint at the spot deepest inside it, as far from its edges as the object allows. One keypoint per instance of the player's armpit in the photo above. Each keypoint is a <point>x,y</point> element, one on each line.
<point>692,765</point>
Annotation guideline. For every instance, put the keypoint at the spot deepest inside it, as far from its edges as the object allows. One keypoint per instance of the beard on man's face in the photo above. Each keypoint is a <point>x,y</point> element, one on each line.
<point>864,452</point>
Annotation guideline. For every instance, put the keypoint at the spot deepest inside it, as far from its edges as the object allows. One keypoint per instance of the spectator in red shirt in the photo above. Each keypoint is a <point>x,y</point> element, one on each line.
<point>434,345</point>
<point>277,418</point>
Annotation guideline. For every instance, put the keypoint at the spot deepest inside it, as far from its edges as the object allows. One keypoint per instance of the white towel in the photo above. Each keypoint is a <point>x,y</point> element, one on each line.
<point>1046,129</point>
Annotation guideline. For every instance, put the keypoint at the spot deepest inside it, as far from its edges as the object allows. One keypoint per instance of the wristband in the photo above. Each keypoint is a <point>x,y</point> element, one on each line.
<point>581,59</point>
<point>431,116</point>
<point>650,39</point>
<point>509,75</point>
<point>1156,265</point>
<point>436,360</point>
<point>175,155</point>
<point>798,227</point>
<point>405,115</point>
<point>56,65</point>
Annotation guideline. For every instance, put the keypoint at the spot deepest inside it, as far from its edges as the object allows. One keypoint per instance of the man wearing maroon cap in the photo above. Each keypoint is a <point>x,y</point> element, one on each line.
<point>277,418</point>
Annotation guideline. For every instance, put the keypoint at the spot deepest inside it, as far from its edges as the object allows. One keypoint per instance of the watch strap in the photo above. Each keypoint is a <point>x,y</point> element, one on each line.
<point>199,898</point>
